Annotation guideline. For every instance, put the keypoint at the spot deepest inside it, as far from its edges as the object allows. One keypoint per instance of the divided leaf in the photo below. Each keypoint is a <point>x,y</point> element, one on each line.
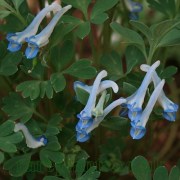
<point>81,69</point>
<point>132,37</point>
<point>8,65</point>
<point>18,108</point>
<point>17,166</point>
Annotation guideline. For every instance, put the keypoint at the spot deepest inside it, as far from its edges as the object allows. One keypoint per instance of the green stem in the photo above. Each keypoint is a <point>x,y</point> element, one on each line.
<point>151,54</point>
<point>92,45</point>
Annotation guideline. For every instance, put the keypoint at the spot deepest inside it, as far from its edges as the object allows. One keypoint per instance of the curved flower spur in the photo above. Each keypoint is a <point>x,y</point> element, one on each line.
<point>78,85</point>
<point>30,140</point>
<point>135,101</point>
<point>138,129</point>
<point>17,39</point>
<point>40,40</point>
<point>169,107</point>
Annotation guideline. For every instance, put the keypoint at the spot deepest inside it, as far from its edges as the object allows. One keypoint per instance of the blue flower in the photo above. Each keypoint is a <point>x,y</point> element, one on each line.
<point>31,142</point>
<point>17,39</point>
<point>93,113</point>
<point>84,121</point>
<point>135,101</point>
<point>82,136</point>
<point>134,8</point>
<point>106,111</point>
<point>138,129</point>
<point>41,39</point>
<point>42,139</point>
<point>133,16</point>
<point>169,107</point>
<point>87,111</point>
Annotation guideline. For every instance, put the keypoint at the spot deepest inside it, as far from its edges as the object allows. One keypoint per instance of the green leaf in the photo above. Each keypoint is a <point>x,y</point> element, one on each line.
<point>131,36</point>
<point>53,143</point>
<point>82,95</point>
<point>116,123</point>
<point>1,157</point>
<point>55,120</point>
<point>3,49</point>
<point>3,3</point>
<point>91,173</point>
<point>71,19</point>
<point>4,13</point>
<point>18,3</point>
<point>133,57</point>
<point>53,127</point>
<point>14,138</point>
<point>175,173</point>
<point>113,64</point>
<point>7,143</point>
<point>46,89</point>
<point>29,89</point>
<point>7,146</point>
<point>168,72</point>
<point>18,108</point>
<point>63,171</point>
<point>52,130</point>
<point>58,82</point>
<point>167,7</point>
<point>8,65</point>
<point>51,178</point>
<point>172,38</point>
<point>80,167</point>
<point>161,29</point>
<point>59,32</point>
<point>81,5</point>
<point>36,88</point>
<point>140,168</point>
<point>47,157</point>
<point>81,69</point>
<point>160,173</point>
<point>128,88</point>
<point>62,56</point>
<point>98,16</point>
<point>83,30</point>
<point>18,165</point>
<point>142,28</point>
<point>6,128</point>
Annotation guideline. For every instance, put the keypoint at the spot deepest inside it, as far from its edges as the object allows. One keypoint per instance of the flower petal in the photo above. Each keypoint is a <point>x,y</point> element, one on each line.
<point>137,132</point>
<point>14,46</point>
<point>31,52</point>
<point>82,136</point>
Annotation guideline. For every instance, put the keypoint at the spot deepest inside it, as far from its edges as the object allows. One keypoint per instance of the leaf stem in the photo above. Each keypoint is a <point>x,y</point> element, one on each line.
<point>92,45</point>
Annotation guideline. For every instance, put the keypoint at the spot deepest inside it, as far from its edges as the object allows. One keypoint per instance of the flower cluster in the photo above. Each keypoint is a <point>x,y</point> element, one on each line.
<point>36,41</point>
<point>30,140</point>
<point>134,8</point>
<point>134,102</point>
<point>94,112</point>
